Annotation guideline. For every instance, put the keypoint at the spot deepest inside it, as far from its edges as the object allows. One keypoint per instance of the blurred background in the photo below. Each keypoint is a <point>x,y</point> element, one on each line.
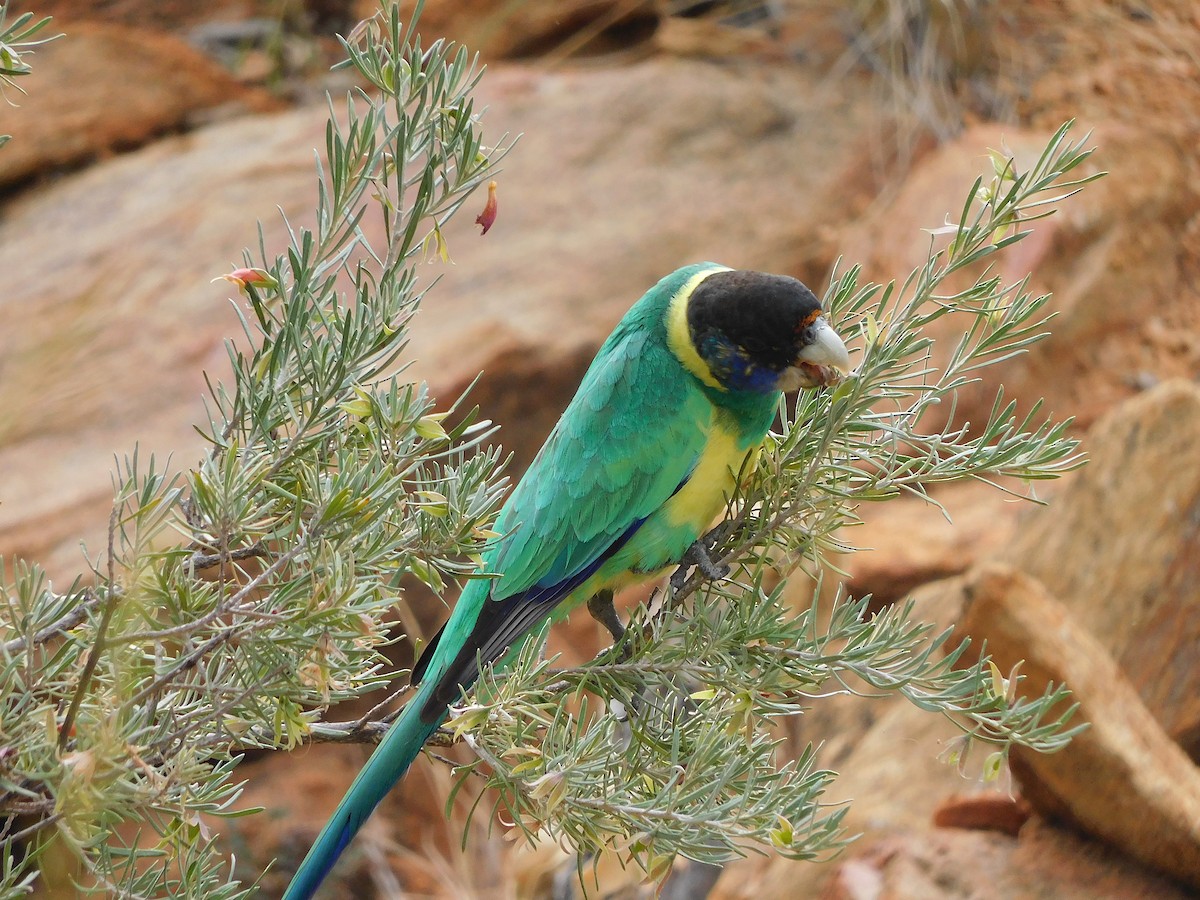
<point>770,134</point>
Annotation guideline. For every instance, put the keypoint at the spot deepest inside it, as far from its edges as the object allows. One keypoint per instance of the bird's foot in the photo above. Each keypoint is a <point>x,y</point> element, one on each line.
<point>705,564</point>
<point>601,608</point>
<point>697,555</point>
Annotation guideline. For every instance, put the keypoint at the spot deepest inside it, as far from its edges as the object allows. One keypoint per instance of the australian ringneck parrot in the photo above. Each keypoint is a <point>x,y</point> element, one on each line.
<point>637,468</point>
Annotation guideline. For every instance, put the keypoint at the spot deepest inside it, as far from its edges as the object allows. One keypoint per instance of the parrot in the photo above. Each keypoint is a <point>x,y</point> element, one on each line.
<point>643,460</point>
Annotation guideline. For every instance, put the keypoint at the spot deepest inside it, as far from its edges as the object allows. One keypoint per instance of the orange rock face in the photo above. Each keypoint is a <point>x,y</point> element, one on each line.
<point>105,89</point>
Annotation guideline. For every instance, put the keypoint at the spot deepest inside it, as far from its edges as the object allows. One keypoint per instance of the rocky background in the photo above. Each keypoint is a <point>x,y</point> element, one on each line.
<point>776,135</point>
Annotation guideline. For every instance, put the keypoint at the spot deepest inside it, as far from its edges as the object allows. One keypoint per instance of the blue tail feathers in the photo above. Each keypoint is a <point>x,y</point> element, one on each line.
<point>386,766</point>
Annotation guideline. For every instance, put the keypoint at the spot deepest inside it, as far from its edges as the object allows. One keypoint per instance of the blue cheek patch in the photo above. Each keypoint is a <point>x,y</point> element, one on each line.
<point>731,366</point>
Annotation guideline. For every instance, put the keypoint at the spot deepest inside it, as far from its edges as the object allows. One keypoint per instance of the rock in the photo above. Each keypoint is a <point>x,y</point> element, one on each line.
<point>885,752</point>
<point>622,175</point>
<point>302,794</point>
<point>161,15</point>
<point>1120,549</point>
<point>1058,68</point>
<point>909,542</point>
<point>111,317</point>
<point>110,314</point>
<point>896,770</point>
<point>502,30</point>
<point>1123,779</point>
<point>983,811</point>
<point>948,864</point>
<point>891,760</point>
<point>1072,866</point>
<point>708,38</point>
<point>1081,542</point>
<point>264,52</point>
<point>108,88</point>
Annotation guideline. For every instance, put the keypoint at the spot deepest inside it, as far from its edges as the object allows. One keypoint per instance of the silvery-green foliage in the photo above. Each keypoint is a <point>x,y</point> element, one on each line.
<point>238,599</point>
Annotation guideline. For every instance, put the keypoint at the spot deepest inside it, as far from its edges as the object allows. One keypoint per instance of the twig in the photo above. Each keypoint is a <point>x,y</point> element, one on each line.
<point>89,669</point>
<point>215,714</point>
<point>200,561</point>
<point>347,733</point>
<point>479,750</point>
<point>26,807</point>
<point>341,733</point>
<point>455,764</point>
<point>228,606</point>
<point>65,623</point>
<point>379,707</point>
<point>182,665</point>
<point>12,840</point>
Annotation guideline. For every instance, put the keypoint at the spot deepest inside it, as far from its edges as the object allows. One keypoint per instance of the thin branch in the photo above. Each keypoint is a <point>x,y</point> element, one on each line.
<point>15,839</point>
<point>201,561</point>
<point>56,628</point>
<point>182,666</point>
<point>224,608</point>
<point>89,668</point>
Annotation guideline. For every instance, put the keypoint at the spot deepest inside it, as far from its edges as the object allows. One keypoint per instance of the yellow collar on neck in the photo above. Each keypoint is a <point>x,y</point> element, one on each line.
<point>679,338</point>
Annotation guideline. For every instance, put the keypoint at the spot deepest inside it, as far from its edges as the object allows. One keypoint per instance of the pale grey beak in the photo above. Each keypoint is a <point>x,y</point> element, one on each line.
<point>826,349</point>
<point>822,362</point>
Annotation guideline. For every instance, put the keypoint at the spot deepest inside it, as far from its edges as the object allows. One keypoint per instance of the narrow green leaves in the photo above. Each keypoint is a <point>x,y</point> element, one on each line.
<point>236,599</point>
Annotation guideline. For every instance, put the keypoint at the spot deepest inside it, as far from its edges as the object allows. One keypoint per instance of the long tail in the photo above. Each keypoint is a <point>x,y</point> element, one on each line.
<point>386,766</point>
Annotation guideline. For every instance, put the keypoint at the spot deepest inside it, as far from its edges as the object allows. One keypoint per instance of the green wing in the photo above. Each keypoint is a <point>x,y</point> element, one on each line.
<point>628,440</point>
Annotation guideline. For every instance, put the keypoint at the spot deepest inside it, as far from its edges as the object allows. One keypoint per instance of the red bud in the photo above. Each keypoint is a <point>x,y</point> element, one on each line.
<point>244,277</point>
<point>488,216</point>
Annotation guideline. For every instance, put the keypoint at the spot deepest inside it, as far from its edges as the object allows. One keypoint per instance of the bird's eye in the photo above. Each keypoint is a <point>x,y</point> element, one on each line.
<point>806,325</point>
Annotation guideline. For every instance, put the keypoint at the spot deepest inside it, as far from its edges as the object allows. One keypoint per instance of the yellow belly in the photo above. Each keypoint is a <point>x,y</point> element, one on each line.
<point>711,484</point>
<point>666,535</point>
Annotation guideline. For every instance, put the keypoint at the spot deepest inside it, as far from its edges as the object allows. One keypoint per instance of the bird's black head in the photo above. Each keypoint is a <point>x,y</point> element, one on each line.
<point>762,333</point>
